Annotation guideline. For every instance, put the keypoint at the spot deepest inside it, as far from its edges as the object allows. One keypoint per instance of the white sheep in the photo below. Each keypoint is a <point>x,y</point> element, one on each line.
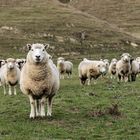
<point>89,69</point>
<point>9,75</point>
<point>39,79</point>
<point>135,69</point>
<point>64,67</point>
<point>123,67</point>
<point>112,68</point>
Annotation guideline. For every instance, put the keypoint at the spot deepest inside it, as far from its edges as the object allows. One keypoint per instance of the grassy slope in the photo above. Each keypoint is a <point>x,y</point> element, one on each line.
<point>71,113</point>
<point>33,19</point>
<point>123,13</point>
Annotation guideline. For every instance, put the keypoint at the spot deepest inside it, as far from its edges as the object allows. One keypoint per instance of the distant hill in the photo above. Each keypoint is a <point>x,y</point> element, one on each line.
<point>61,25</point>
<point>123,13</point>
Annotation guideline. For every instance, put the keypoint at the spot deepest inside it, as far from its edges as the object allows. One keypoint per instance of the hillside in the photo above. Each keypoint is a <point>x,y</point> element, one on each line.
<point>60,25</point>
<point>123,13</point>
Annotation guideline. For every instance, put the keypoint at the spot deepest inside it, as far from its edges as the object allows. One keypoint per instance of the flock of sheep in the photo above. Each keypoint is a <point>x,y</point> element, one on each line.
<point>39,78</point>
<point>125,69</point>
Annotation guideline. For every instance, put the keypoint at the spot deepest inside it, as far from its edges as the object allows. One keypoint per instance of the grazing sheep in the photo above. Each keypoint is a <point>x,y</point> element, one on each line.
<point>123,67</point>
<point>64,67</point>
<point>10,75</point>
<point>89,69</point>
<point>135,69</point>
<point>39,79</point>
<point>112,68</point>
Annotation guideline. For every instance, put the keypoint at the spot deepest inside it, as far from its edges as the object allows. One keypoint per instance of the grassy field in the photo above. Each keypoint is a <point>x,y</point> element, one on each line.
<point>79,112</point>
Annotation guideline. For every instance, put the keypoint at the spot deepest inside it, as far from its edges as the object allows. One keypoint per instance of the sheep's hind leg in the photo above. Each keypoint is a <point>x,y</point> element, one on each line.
<point>42,108</point>
<point>10,90</point>
<point>32,103</point>
<point>49,111</point>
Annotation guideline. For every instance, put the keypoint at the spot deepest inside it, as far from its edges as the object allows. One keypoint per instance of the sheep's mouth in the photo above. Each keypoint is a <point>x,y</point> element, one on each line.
<point>38,60</point>
<point>11,68</point>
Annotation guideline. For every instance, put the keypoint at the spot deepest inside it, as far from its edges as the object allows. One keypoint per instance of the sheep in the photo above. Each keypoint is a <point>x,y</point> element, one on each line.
<point>9,75</point>
<point>39,79</point>
<point>64,67</point>
<point>89,69</point>
<point>123,67</point>
<point>112,68</point>
<point>135,69</point>
<point>106,61</point>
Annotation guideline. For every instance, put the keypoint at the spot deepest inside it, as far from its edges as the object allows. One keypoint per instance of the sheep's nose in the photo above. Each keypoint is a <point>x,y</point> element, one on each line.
<point>37,56</point>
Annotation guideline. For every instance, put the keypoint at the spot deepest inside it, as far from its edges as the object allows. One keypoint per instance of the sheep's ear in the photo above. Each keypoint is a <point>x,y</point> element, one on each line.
<point>28,46</point>
<point>46,46</point>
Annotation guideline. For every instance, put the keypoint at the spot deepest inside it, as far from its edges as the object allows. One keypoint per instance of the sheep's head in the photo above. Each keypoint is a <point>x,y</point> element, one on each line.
<point>11,62</point>
<point>102,68</point>
<point>106,61</point>
<point>60,60</point>
<point>37,53</point>
<point>114,61</point>
<point>126,57</point>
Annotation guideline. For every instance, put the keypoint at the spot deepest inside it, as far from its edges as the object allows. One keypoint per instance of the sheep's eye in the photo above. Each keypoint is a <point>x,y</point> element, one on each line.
<point>43,50</point>
<point>98,65</point>
<point>31,49</point>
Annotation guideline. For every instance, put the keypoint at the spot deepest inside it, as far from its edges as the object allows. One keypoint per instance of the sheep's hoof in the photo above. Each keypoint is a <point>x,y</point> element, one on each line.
<point>32,116</point>
<point>42,115</point>
<point>49,114</point>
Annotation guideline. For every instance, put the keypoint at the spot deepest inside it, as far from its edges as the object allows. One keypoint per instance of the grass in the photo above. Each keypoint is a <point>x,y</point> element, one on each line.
<point>72,109</point>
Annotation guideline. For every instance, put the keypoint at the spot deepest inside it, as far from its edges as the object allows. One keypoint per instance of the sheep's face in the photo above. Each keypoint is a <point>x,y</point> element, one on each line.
<point>10,63</point>
<point>37,53</point>
<point>60,60</point>
<point>126,57</point>
<point>114,62</point>
<point>102,68</point>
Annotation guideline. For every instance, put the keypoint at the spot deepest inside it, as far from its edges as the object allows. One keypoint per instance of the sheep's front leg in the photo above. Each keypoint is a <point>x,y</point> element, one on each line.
<point>15,91</point>
<point>42,108</point>
<point>88,80</point>
<point>32,103</point>
<point>10,90</point>
<point>49,111</point>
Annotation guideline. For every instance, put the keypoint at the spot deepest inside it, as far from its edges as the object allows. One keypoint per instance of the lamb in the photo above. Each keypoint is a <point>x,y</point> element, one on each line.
<point>112,68</point>
<point>39,79</point>
<point>9,75</point>
<point>123,67</point>
<point>64,67</point>
<point>89,69</point>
